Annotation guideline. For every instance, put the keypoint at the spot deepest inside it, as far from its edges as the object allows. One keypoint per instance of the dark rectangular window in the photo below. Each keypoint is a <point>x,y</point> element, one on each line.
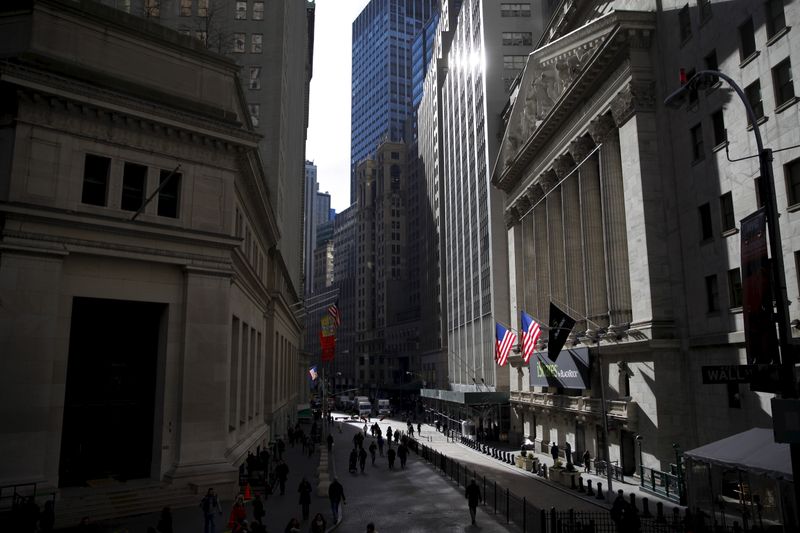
<point>685,24</point>
<point>711,60</point>
<point>792,173</point>
<point>712,293</point>
<point>776,19</point>
<point>735,288</point>
<point>718,121</point>
<point>704,6</point>
<point>95,179</point>
<point>747,39</point>
<point>706,229</point>
<point>753,93</point>
<point>134,179</point>
<point>782,80</point>
<point>698,151</point>
<point>726,212</point>
<point>169,195</point>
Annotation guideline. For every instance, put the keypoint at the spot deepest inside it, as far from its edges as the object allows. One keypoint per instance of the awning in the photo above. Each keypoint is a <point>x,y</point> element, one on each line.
<point>755,450</point>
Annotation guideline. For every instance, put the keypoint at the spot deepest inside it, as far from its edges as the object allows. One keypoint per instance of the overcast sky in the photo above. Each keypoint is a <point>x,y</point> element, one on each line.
<point>328,144</point>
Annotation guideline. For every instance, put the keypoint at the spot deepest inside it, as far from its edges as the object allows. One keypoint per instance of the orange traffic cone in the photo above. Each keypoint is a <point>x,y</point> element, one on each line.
<point>247,494</point>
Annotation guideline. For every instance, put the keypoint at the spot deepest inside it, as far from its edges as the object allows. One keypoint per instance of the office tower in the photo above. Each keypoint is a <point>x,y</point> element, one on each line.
<point>381,74</point>
<point>309,226</point>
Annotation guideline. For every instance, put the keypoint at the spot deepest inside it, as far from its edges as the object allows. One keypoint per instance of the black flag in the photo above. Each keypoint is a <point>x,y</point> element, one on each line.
<point>560,326</point>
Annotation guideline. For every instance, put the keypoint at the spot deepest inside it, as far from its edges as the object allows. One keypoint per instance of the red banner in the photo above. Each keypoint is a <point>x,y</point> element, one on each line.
<point>328,345</point>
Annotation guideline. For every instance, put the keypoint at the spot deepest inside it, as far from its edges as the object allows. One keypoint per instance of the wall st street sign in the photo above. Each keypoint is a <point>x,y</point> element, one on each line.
<point>713,375</point>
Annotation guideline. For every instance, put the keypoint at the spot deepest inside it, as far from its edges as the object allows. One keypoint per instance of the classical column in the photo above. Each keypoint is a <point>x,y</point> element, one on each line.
<point>573,232</point>
<point>555,231</point>
<point>533,287</point>
<point>594,254</point>
<point>605,132</point>
<point>541,245</point>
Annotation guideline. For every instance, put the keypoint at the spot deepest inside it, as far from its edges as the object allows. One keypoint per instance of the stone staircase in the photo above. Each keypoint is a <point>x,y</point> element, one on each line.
<point>120,500</point>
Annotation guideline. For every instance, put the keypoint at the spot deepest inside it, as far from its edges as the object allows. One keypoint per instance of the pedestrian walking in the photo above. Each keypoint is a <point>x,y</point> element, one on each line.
<point>397,435</point>
<point>623,515</point>
<point>402,453</point>
<point>330,442</point>
<point>282,473</point>
<point>336,495</point>
<point>258,509</point>
<point>310,446</point>
<point>389,436</point>
<point>473,495</point>
<point>165,521</point>
<point>380,444</point>
<point>362,459</point>
<point>318,524</point>
<point>391,455</point>
<point>210,505</point>
<point>554,451</point>
<point>305,496</point>
<point>353,460</point>
<point>372,449</point>
<point>281,448</point>
<point>419,429</point>
<point>238,512</point>
<point>587,460</point>
<point>410,430</point>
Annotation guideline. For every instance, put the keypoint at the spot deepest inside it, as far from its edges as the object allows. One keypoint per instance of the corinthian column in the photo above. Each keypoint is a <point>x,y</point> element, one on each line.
<point>573,234</point>
<point>594,254</point>
<point>542,247</point>
<point>604,132</point>
<point>555,233</point>
<point>529,245</point>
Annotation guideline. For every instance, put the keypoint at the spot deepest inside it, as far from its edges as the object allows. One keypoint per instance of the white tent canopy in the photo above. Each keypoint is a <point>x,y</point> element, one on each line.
<point>754,450</point>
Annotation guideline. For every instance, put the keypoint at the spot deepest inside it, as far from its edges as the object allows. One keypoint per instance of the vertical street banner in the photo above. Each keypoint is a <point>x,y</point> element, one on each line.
<point>761,341</point>
<point>561,325</point>
<point>327,337</point>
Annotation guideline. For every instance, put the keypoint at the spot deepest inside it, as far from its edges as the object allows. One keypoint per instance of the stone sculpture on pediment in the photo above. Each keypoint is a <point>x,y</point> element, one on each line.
<point>563,165</point>
<point>548,180</point>
<point>580,148</point>
<point>535,193</point>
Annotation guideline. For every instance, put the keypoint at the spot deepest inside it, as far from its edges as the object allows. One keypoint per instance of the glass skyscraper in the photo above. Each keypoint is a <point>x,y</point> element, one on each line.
<point>381,77</point>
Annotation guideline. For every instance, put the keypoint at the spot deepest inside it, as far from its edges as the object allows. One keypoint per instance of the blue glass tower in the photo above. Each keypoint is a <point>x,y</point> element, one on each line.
<point>381,79</point>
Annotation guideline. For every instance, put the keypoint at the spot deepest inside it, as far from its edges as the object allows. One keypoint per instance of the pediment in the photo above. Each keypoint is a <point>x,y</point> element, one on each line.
<point>556,73</point>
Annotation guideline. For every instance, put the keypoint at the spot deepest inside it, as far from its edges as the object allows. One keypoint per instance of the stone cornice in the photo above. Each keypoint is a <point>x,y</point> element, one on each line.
<point>79,97</point>
<point>637,96</point>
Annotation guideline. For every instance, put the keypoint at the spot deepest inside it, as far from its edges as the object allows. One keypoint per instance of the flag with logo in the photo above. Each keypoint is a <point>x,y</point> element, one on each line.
<point>531,331</point>
<point>505,341</point>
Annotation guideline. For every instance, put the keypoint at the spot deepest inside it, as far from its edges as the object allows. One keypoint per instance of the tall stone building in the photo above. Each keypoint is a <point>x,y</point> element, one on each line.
<point>345,272</point>
<point>145,302</point>
<point>627,213</point>
<point>481,46</point>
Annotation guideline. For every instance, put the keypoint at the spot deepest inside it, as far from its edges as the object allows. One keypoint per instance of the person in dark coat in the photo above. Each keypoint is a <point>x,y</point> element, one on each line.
<point>336,495</point>
<point>391,455</point>
<point>362,458</point>
<point>353,460</point>
<point>282,473</point>
<point>419,429</point>
<point>210,505</point>
<point>305,496</point>
<point>473,495</point>
<point>554,451</point>
<point>165,521</point>
<point>380,444</point>
<point>402,453</point>
<point>587,460</point>
<point>330,442</point>
<point>397,435</point>
<point>258,509</point>
<point>372,449</point>
<point>318,524</point>
<point>389,435</point>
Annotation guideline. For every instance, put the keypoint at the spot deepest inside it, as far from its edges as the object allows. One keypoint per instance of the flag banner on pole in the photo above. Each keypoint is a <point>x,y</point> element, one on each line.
<point>570,370</point>
<point>561,325</point>
<point>327,325</point>
<point>333,310</point>
<point>328,346</point>
<point>505,341</point>
<point>531,331</point>
<point>761,343</point>
<point>312,373</point>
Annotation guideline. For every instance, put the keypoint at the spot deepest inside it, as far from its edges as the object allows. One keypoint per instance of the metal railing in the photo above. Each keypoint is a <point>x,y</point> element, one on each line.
<point>661,483</point>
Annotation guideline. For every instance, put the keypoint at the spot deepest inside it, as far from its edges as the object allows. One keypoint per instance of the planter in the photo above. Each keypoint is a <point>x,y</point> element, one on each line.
<point>519,461</point>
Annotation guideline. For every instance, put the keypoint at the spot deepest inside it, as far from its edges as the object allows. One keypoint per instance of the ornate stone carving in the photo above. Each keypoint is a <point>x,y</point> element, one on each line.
<point>601,127</point>
<point>535,193</point>
<point>635,97</point>
<point>548,180</point>
<point>522,204</point>
<point>510,217</point>
<point>563,165</point>
<point>580,148</point>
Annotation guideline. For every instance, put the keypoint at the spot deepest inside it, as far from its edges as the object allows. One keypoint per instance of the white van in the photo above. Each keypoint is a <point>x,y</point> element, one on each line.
<point>364,408</point>
<point>383,408</point>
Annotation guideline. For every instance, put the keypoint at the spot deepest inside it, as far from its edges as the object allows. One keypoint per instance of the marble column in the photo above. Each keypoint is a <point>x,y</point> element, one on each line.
<point>605,132</point>
<point>541,245</point>
<point>594,260</point>
<point>533,285</point>
<point>573,243</point>
<point>555,233</point>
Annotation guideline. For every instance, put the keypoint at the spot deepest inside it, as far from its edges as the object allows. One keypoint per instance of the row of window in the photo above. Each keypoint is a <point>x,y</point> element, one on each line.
<point>734,291</point>
<point>783,86</point>
<point>523,38</point>
<point>515,10</point>
<point>201,8</point>
<point>774,15</point>
<point>97,174</point>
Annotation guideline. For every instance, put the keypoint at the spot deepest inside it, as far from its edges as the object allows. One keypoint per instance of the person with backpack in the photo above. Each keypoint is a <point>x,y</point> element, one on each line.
<point>210,505</point>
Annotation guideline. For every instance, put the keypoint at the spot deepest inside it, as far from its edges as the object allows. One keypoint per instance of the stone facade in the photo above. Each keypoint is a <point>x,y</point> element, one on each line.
<point>227,369</point>
<point>603,192</point>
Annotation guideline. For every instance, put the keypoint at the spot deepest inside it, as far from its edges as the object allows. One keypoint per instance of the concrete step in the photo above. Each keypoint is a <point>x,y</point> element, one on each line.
<point>104,504</point>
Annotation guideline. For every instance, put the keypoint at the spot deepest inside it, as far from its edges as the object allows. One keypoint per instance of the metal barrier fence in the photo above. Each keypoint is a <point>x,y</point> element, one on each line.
<point>661,483</point>
<point>517,510</point>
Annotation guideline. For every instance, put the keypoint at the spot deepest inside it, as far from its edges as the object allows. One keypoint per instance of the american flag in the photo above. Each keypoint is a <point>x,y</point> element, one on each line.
<point>530,334</point>
<point>333,310</point>
<point>505,340</point>
<point>312,373</point>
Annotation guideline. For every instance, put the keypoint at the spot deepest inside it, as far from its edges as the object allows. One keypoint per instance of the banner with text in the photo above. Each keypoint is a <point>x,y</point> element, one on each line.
<point>570,370</point>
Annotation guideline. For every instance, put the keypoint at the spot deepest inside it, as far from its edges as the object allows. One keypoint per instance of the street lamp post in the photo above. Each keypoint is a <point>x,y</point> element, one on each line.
<point>788,386</point>
<point>641,462</point>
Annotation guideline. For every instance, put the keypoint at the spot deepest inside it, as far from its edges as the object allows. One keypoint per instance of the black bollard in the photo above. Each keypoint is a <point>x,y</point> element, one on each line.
<point>646,508</point>
<point>676,518</point>
<point>659,512</point>
<point>632,497</point>
<point>600,491</point>
<point>513,459</point>
<point>572,481</point>
<point>581,488</point>
<point>544,471</point>
<point>589,490</point>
